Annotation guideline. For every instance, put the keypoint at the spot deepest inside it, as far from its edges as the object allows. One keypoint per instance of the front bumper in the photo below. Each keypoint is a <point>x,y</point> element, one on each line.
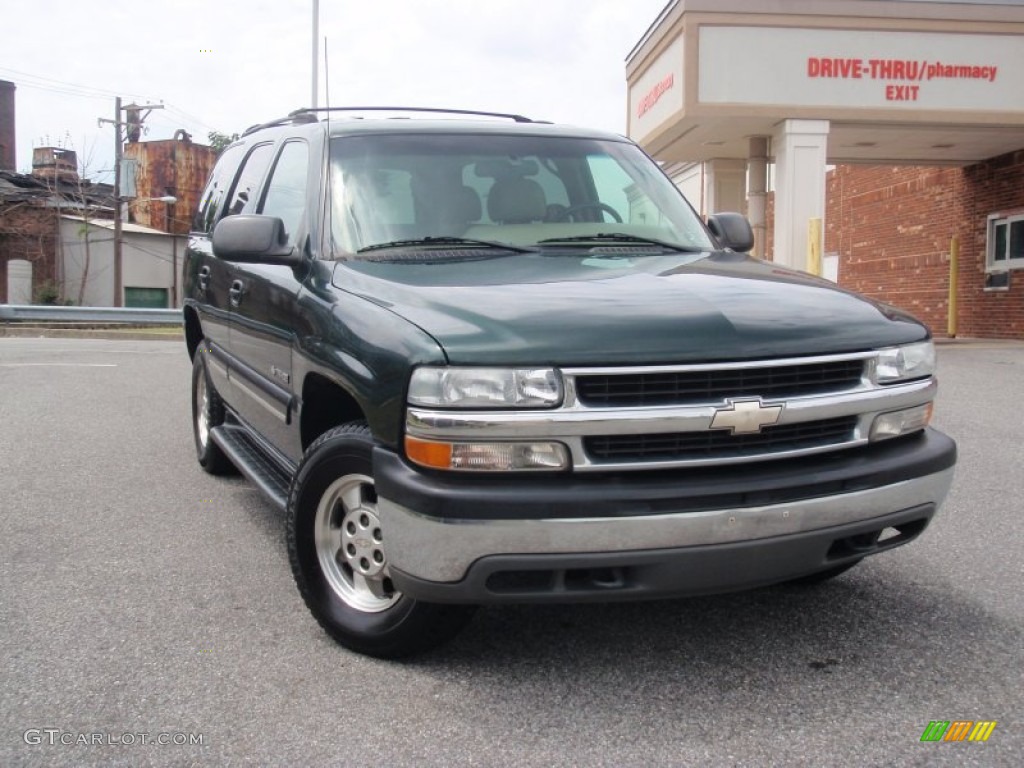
<point>637,535</point>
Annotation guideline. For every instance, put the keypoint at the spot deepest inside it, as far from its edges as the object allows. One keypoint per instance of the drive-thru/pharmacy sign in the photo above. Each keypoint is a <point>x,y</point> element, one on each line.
<point>896,73</point>
<point>847,68</point>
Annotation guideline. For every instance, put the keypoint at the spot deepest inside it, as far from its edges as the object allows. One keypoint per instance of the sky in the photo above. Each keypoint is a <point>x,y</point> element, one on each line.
<point>230,64</point>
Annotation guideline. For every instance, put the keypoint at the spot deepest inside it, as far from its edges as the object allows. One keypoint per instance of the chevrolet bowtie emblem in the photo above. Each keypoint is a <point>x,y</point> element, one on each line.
<point>746,417</point>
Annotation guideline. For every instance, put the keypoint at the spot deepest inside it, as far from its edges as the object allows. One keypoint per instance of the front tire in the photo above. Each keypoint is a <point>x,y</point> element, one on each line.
<point>338,554</point>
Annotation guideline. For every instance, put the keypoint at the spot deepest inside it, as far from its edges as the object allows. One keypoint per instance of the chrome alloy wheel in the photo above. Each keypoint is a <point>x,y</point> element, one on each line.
<point>202,411</point>
<point>350,545</point>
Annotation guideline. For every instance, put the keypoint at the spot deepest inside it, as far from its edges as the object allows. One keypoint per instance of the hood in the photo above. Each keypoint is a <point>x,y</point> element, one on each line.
<point>586,309</point>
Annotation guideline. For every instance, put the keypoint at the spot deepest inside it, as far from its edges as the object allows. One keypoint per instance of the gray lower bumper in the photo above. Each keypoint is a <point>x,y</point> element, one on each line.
<point>426,550</point>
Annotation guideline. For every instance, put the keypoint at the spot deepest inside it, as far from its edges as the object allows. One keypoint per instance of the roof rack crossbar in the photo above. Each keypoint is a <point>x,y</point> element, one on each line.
<point>503,115</point>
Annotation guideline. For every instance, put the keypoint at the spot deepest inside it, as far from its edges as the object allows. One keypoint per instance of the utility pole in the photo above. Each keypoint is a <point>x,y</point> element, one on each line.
<point>316,55</point>
<point>118,154</point>
<point>118,199</point>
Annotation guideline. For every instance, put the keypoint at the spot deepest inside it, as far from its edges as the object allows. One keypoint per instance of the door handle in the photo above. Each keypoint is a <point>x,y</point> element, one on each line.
<point>236,292</point>
<point>204,278</point>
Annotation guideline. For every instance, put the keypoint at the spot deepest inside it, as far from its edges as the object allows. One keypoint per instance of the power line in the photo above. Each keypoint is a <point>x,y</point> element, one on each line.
<point>39,82</point>
<point>182,113</point>
<point>62,91</point>
<point>52,82</point>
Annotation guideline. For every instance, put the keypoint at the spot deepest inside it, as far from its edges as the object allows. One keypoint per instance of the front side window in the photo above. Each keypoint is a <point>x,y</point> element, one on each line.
<point>1005,242</point>
<point>249,178</point>
<point>285,196</point>
<point>212,200</point>
<point>524,191</point>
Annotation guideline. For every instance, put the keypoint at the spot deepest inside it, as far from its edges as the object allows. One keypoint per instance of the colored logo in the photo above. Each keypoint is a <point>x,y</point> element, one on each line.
<point>958,730</point>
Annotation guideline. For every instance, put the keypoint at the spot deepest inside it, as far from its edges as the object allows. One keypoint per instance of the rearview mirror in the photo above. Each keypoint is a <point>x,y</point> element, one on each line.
<point>254,239</point>
<point>732,231</point>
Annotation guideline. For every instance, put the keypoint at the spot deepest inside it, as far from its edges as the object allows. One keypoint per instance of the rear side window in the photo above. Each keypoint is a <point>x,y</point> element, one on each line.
<point>285,196</point>
<point>212,200</point>
<point>243,196</point>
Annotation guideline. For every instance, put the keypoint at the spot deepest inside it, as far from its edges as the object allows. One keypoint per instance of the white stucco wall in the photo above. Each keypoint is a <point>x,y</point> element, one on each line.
<point>147,260</point>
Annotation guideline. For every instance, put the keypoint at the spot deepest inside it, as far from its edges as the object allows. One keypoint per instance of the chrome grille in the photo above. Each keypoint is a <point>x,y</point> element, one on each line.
<point>720,444</point>
<point>656,417</point>
<point>702,386</point>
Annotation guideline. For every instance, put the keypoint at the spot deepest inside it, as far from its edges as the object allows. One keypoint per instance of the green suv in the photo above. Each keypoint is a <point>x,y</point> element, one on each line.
<point>481,359</point>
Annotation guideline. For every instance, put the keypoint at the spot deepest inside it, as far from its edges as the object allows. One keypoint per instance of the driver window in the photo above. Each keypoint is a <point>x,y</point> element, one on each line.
<point>286,191</point>
<point>255,165</point>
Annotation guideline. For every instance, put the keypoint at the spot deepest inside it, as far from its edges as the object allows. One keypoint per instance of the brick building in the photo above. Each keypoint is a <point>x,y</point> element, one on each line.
<point>31,207</point>
<point>892,229</point>
<point>28,231</point>
<point>899,125</point>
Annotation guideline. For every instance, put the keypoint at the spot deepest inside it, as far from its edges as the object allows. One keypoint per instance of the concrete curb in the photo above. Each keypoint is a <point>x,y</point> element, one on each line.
<point>128,334</point>
<point>971,342</point>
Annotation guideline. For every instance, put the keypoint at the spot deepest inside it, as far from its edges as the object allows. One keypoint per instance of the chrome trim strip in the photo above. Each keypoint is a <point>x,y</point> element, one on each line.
<point>723,366</point>
<point>571,422</point>
<point>442,550</point>
<point>244,387</point>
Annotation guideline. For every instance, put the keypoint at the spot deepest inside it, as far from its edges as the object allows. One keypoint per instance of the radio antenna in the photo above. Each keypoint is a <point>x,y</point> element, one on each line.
<point>330,172</point>
<point>327,80</point>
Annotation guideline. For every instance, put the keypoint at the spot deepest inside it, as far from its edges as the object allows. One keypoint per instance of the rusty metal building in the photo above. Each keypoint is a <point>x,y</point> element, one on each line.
<point>175,167</point>
<point>55,164</point>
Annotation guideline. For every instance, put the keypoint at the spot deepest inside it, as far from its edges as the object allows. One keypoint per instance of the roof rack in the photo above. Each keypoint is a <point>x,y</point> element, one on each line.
<point>312,110</point>
<point>298,116</point>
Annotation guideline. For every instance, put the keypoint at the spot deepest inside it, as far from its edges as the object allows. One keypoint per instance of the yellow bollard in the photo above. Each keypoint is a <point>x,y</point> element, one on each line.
<point>954,282</point>
<point>814,246</point>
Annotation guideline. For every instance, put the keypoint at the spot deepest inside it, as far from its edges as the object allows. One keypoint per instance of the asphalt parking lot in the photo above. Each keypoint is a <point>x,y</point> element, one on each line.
<point>142,598</point>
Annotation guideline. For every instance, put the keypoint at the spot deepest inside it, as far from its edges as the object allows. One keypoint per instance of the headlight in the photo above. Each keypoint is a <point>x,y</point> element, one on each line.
<point>911,361</point>
<point>485,387</point>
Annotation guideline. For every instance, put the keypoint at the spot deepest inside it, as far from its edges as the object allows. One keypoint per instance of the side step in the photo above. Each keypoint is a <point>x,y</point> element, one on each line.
<point>255,462</point>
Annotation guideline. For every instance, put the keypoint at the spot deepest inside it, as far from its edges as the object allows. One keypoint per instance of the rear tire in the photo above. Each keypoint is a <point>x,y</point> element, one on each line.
<point>337,550</point>
<point>207,413</point>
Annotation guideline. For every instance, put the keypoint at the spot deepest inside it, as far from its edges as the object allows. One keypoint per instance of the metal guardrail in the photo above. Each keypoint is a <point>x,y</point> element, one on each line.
<point>50,314</point>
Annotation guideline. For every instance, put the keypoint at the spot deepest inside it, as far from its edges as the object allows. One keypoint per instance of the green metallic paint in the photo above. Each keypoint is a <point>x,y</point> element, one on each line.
<point>362,347</point>
<point>563,310</point>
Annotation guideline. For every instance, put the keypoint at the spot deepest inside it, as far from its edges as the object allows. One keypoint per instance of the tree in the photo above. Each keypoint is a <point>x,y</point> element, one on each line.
<point>82,199</point>
<point>220,140</point>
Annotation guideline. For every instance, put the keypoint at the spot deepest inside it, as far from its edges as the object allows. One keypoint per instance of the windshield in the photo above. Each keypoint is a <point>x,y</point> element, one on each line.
<point>434,189</point>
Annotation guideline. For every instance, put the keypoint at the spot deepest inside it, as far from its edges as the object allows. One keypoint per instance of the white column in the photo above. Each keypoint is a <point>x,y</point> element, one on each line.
<point>689,179</point>
<point>757,192</point>
<point>725,185</point>
<point>800,155</point>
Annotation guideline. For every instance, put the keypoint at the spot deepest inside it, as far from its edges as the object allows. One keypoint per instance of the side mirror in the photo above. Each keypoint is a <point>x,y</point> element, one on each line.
<point>732,231</point>
<point>254,239</point>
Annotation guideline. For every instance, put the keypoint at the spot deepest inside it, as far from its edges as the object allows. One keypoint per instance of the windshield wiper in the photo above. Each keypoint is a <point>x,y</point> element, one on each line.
<point>446,240</point>
<point>620,237</point>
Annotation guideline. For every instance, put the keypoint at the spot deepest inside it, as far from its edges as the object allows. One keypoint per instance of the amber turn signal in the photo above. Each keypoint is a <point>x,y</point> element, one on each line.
<point>428,453</point>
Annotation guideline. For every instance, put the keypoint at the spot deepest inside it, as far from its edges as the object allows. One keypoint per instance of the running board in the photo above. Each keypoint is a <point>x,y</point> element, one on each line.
<point>254,462</point>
